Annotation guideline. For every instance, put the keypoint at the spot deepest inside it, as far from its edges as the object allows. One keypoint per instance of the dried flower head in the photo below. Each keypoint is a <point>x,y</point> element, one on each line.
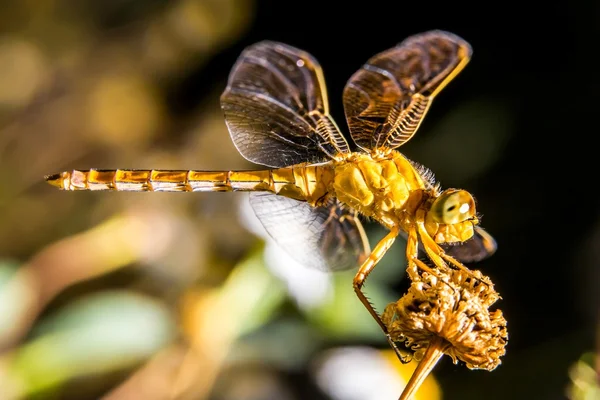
<point>452,310</point>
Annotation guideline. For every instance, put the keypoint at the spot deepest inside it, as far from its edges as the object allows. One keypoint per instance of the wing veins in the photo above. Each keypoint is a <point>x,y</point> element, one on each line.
<point>318,237</point>
<point>277,103</point>
<point>387,84</point>
<point>291,89</point>
<point>384,72</point>
<point>318,71</point>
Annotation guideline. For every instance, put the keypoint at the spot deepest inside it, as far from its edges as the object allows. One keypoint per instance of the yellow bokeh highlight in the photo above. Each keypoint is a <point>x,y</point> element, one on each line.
<point>429,390</point>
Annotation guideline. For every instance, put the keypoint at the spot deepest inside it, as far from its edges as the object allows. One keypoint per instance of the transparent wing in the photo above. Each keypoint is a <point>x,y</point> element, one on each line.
<point>479,247</point>
<point>328,238</point>
<point>276,109</point>
<point>386,100</point>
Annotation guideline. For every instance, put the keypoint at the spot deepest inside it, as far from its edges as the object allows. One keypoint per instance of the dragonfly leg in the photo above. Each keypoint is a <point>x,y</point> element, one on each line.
<point>361,230</point>
<point>412,256</point>
<point>367,267</point>
<point>439,256</point>
<point>361,277</point>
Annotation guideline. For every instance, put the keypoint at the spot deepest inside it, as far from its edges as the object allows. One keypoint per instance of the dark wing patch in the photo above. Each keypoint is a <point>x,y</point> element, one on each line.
<point>478,248</point>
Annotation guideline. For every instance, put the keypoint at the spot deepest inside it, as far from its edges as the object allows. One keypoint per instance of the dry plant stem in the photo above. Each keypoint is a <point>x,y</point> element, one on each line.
<point>434,352</point>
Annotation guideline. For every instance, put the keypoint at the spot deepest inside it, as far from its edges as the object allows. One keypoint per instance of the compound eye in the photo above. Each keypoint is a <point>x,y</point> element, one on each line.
<point>453,206</point>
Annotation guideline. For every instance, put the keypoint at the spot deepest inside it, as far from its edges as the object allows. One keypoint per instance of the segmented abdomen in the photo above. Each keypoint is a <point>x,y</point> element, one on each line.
<point>302,182</point>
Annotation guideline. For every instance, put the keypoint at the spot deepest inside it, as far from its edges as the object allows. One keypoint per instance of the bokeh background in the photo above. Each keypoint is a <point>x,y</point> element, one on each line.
<point>182,296</point>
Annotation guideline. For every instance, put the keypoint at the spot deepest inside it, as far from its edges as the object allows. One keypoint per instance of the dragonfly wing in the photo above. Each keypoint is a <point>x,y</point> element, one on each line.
<point>329,238</point>
<point>386,100</point>
<point>479,247</point>
<point>276,108</point>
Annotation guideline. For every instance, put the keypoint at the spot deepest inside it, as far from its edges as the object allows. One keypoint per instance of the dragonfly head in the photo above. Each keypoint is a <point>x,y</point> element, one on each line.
<point>452,207</point>
<point>452,216</point>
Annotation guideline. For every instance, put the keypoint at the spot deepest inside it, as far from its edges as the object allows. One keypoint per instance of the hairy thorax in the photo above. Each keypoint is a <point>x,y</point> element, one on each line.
<point>385,187</point>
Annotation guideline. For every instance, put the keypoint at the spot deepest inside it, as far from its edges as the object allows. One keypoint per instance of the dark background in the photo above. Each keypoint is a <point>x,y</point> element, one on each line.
<point>516,128</point>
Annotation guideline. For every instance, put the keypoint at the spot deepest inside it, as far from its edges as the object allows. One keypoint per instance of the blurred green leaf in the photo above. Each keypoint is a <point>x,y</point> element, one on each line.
<point>254,292</point>
<point>15,297</point>
<point>101,333</point>
<point>287,343</point>
<point>343,316</point>
<point>584,379</point>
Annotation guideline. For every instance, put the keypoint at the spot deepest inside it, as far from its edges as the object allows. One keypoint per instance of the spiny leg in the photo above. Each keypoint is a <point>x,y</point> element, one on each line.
<point>367,267</point>
<point>361,276</point>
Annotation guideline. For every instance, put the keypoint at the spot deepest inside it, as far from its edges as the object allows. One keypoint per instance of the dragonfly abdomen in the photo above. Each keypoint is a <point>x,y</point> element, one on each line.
<point>296,182</point>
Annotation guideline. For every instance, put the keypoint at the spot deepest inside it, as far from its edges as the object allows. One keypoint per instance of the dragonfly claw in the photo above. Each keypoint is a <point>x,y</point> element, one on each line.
<point>403,357</point>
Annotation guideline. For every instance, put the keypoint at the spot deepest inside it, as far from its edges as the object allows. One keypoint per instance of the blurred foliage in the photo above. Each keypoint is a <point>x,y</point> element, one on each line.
<point>585,378</point>
<point>95,335</point>
<point>127,296</point>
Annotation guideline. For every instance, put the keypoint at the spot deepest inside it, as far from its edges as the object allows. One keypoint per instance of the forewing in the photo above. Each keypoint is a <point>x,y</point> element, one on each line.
<point>386,100</point>
<point>328,238</point>
<point>276,109</point>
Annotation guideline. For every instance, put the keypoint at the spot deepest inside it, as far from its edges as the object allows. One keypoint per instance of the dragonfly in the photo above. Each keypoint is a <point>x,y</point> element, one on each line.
<point>317,182</point>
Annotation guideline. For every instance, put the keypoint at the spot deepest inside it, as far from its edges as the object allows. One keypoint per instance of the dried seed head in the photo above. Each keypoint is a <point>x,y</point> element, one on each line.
<point>453,306</point>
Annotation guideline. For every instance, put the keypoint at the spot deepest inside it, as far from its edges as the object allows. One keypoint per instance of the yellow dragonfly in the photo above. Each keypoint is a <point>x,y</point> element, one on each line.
<point>318,182</point>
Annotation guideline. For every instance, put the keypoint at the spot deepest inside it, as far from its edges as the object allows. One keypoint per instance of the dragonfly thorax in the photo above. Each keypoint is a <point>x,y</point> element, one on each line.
<point>384,187</point>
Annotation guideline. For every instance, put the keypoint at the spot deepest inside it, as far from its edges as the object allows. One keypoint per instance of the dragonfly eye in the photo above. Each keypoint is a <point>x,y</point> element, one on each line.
<point>453,206</point>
